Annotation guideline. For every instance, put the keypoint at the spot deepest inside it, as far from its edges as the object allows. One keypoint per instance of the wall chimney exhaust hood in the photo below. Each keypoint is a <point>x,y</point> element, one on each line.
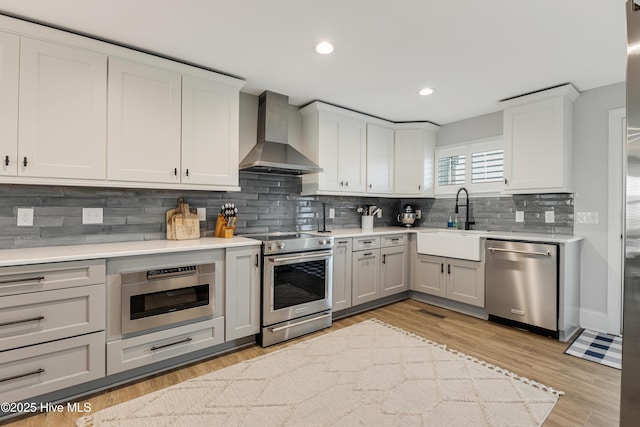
<point>272,153</point>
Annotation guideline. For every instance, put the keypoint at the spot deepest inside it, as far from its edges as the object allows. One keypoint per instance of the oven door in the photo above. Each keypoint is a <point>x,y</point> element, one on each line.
<point>296,285</point>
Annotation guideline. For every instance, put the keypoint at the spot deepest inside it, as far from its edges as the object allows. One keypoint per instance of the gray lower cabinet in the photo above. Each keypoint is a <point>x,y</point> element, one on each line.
<point>380,267</point>
<point>366,275</point>
<point>454,279</point>
<point>53,327</point>
<point>393,270</point>
<point>341,291</point>
<point>242,296</point>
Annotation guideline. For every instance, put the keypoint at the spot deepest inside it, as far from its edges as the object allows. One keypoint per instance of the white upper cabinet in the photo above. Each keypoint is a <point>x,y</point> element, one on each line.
<point>9,67</point>
<point>538,143</point>
<point>364,155</point>
<point>144,123</point>
<point>414,159</point>
<point>210,127</point>
<point>335,140</point>
<point>380,155</point>
<point>78,111</point>
<point>62,110</point>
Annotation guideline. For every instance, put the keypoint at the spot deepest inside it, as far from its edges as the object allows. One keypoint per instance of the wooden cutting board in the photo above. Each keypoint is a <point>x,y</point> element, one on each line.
<point>182,223</point>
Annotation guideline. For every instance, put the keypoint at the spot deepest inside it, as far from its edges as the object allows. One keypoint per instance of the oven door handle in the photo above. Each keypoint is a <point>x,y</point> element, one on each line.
<point>302,257</point>
<point>302,322</point>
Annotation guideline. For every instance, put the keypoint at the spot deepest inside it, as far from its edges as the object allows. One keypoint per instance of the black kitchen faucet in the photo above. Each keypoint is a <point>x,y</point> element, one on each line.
<point>467,223</point>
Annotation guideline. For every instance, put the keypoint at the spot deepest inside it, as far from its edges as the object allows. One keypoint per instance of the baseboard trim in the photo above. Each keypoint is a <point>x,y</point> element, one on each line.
<point>594,320</point>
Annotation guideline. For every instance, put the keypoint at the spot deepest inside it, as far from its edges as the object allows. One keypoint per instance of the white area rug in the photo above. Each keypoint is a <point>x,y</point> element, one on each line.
<point>368,374</point>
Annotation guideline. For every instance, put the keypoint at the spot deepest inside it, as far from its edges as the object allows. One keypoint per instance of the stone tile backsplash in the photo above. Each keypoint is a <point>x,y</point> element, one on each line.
<point>266,203</point>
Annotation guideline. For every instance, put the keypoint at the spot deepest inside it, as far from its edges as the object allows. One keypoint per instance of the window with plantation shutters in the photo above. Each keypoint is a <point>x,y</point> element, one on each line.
<point>487,166</point>
<point>476,165</point>
<point>451,170</point>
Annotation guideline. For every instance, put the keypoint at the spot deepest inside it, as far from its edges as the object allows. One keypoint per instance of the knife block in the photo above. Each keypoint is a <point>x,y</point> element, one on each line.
<point>222,229</point>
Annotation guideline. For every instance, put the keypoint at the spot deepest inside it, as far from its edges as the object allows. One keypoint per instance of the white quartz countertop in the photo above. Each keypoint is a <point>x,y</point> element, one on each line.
<point>23,256</point>
<point>503,235</point>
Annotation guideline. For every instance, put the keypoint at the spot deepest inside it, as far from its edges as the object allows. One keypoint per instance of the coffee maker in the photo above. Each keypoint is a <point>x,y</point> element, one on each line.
<point>407,217</point>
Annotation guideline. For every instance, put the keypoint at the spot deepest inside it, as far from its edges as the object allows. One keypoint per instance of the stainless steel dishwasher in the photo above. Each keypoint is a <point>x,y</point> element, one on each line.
<point>521,283</point>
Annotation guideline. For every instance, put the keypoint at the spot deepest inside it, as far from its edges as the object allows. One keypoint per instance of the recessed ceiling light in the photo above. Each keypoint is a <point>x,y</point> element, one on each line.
<point>324,48</point>
<point>426,91</point>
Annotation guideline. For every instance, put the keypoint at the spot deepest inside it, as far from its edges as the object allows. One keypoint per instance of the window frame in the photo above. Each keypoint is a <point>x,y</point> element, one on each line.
<point>467,149</point>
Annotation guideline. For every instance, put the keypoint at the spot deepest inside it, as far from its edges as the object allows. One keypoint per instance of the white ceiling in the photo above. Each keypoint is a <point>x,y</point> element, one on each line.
<point>473,53</point>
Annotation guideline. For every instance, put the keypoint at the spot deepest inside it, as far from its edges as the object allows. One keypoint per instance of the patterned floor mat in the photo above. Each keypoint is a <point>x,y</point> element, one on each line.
<point>598,347</point>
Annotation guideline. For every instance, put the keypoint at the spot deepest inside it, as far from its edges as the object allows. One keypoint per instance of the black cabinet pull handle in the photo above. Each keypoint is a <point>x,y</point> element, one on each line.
<point>16,322</point>
<point>15,377</point>
<point>448,268</point>
<point>24,162</point>
<point>419,187</point>
<point>343,242</point>
<point>506,181</point>
<point>384,258</point>
<point>159,347</point>
<point>257,260</point>
<point>368,254</point>
<point>26,279</point>
<point>441,268</point>
<point>6,160</point>
<point>187,172</point>
<point>175,171</point>
<point>346,183</point>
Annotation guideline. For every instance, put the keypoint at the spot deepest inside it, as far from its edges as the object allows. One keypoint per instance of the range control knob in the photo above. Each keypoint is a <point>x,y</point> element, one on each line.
<point>325,241</point>
<point>272,246</point>
<point>281,245</point>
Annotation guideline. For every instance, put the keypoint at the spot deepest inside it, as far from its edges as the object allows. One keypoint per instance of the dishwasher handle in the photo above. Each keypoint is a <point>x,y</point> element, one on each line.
<point>515,251</point>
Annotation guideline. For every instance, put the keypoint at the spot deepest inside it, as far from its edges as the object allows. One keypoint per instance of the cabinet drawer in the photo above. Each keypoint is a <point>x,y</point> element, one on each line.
<point>393,240</point>
<point>371,242</point>
<point>46,277</point>
<point>33,318</point>
<point>142,350</point>
<point>35,370</point>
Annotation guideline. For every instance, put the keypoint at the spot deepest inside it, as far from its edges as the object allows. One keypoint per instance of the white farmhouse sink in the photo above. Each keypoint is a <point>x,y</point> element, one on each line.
<point>461,244</point>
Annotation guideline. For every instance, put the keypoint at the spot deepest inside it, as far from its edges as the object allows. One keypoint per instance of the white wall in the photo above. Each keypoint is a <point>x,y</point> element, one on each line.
<point>590,178</point>
<point>478,127</point>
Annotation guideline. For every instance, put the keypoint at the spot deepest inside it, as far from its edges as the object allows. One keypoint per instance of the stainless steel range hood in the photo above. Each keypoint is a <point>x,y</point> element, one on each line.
<point>272,153</point>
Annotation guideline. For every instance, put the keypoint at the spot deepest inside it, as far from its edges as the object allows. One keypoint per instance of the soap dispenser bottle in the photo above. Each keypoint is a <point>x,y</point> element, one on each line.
<point>450,223</point>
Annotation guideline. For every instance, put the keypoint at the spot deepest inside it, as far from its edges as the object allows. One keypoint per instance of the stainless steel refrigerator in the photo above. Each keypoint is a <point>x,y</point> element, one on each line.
<point>630,389</point>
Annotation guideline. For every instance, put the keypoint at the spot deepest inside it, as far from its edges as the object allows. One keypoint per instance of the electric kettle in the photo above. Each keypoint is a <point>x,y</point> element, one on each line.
<point>407,217</point>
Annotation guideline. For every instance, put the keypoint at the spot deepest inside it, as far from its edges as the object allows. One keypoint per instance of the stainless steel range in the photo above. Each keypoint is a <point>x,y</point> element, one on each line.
<point>296,285</point>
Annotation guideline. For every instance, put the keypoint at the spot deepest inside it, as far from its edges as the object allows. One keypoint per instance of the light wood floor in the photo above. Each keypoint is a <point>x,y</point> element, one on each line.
<point>592,391</point>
